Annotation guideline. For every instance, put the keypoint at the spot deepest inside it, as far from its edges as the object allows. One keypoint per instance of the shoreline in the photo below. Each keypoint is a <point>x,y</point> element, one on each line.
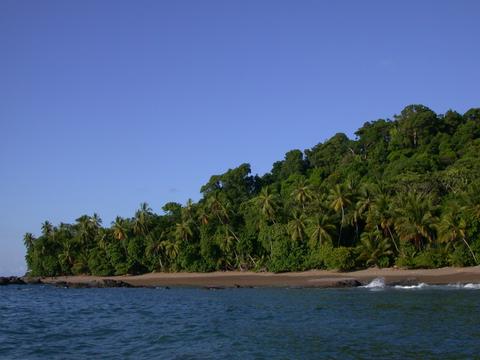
<point>306,279</point>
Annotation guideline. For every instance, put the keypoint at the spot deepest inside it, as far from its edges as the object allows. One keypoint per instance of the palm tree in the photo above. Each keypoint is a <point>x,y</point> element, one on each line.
<point>84,225</point>
<point>171,248</point>
<point>203,216</point>
<point>119,229</point>
<point>374,247</point>
<point>95,221</point>
<point>302,193</point>
<point>266,202</point>
<point>142,216</point>
<point>47,228</point>
<point>218,207</point>
<point>184,230</point>
<point>226,240</point>
<point>452,227</point>
<point>28,240</point>
<point>415,221</point>
<point>156,247</point>
<point>380,217</point>
<point>296,227</point>
<point>188,210</point>
<point>66,255</point>
<point>339,200</point>
<point>319,230</point>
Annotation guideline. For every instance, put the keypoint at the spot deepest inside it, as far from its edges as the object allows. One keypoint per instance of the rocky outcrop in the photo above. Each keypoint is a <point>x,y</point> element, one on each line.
<point>11,280</point>
<point>404,282</point>
<point>104,283</point>
<point>346,283</point>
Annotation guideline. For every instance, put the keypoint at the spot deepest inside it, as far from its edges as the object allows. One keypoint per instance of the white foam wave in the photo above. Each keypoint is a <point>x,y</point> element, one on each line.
<point>471,286</point>
<point>377,283</point>
<point>411,287</point>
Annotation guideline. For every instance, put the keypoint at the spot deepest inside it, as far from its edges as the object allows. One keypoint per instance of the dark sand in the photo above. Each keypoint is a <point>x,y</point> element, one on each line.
<point>313,278</point>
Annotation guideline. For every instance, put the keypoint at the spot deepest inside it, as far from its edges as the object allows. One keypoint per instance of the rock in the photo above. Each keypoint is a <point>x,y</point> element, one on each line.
<point>11,280</point>
<point>114,283</point>
<point>213,288</point>
<point>31,280</point>
<point>104,283</point>
<point>404,282</point>
<point>346,283</point>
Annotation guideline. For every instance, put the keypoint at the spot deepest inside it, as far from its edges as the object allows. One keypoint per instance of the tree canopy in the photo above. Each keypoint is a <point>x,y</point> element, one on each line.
<point>404,192</point>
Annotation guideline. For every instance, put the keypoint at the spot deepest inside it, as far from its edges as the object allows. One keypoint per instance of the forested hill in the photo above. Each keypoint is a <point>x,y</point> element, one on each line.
<point>405,192</point>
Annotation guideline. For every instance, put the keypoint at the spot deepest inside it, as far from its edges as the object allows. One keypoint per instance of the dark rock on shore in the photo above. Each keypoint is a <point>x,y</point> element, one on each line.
<point>105,283</point>
<point>347,283</point>
<point>404,282</point>
<point>32,280</point>
<point>11,280</point>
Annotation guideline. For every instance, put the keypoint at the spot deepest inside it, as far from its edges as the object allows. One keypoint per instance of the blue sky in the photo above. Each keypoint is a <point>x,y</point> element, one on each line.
<point>105,104</point>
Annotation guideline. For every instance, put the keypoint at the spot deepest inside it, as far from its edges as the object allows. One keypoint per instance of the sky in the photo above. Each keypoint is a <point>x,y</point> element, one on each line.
<point>106,104</point>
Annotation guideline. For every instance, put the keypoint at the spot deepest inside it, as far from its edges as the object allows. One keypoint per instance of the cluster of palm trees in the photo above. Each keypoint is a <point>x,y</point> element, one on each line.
<point>374,221</point>
<point>381,200</point>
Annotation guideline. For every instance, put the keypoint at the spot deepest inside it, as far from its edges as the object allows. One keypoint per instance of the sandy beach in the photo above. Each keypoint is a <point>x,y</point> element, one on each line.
<point>313,278</point>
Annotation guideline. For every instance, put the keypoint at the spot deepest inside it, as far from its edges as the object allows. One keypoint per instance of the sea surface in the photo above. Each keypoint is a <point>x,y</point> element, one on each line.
<point>375,322</point>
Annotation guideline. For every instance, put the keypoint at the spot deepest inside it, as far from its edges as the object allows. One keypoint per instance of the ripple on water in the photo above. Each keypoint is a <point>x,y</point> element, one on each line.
<point>52,323</point>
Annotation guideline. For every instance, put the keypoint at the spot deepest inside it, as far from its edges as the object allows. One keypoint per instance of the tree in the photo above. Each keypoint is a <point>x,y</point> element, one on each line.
<point>266,202</point>
<point>47,229</point>
<point>452,227</point>
<point>414,219</point>
<point>141,220</point>
<point>339,200</point>
<point>302,193</point>
<point>297,227</point>
<point>374,249</point>
<point>319,230</point>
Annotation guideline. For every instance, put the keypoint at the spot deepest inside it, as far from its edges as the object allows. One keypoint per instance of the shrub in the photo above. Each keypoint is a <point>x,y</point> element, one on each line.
<point>430,258</point>
<point>328,257</point>
<point>460,256</point>
<point>286,256</point>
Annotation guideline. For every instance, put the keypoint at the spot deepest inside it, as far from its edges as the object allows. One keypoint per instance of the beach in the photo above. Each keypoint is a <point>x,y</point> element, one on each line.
<point>306,279</point>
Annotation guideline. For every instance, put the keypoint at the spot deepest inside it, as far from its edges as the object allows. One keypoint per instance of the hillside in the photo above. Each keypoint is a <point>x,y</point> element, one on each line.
<point>405,191</point>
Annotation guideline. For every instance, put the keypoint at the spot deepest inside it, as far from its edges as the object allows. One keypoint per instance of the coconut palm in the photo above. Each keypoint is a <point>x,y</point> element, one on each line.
<point>184,230</point>
<point>452,227</point>
<point>380,217</point>
<point>47,228</point>
<point>156,248</point>
<point>319,230</point>
<point>141,219</point>
<point>297,227</point>
<point>339,199</point>
<point>302,193</point>
<point>374,248</point>
<point>218,207</point>
<point>66,255</point>
<point>28,240</point>
<point>414,219</point>
<point>266,202</point>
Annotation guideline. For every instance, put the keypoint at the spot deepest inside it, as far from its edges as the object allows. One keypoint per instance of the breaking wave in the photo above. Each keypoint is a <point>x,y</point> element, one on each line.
<point>379,284</point>
<point>410,287</point>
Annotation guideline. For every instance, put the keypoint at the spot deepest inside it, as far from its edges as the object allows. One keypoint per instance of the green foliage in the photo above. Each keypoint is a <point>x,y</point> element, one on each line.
<point>404,192</point>
<point>331,258</point>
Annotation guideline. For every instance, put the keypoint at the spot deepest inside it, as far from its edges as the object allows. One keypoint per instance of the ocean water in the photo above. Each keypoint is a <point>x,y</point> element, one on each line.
<point>374,322</point>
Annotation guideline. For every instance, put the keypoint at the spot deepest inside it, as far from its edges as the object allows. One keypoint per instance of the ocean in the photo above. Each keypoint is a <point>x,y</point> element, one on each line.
<point>376,322</point>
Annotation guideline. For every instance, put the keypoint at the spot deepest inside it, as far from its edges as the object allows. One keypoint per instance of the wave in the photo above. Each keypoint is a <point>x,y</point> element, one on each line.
<point>379,284</point>
<point>470,286</point>
<point>410,287</point>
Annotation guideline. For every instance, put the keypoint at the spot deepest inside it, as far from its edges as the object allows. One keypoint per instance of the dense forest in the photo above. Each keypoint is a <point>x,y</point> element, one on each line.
<point>405,192</point>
